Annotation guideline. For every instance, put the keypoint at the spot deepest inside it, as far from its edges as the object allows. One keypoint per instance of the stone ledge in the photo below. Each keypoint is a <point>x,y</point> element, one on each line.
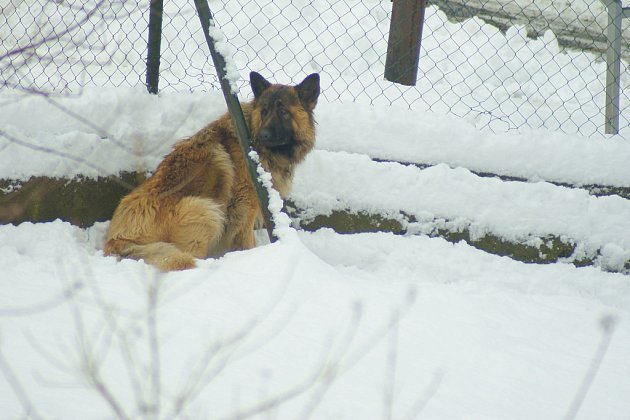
<point>84,201</point>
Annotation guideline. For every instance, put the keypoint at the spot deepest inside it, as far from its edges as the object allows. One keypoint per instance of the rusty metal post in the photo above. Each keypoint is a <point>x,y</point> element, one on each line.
<point>405,37</point>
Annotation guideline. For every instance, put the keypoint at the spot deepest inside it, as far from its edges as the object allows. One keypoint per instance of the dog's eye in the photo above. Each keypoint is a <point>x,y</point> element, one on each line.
<point>264,112</point>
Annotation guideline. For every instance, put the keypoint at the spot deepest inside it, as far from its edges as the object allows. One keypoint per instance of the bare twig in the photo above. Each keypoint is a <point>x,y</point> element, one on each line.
<point>398,314</point>
<point>608,324</point>
<point>132,362</point>
<point>18,389</point>
<point>100,131</point>
<point>100,386</point>
<point>56,362</point>
<point>90,365</point>
<point>425,397</point>
<point>205,371</point>
<point>40,307</point>
<point>154,347</point>
<point>54,35</point>
<point>279,399</point>
<point>355,357</point>
<point>332,366</point>
<point>390,372</point>
<point>330,370</point>
<point>77,159</point>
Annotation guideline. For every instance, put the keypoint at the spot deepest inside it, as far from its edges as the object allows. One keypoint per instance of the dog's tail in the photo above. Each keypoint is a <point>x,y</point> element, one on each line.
<point>164,255</point>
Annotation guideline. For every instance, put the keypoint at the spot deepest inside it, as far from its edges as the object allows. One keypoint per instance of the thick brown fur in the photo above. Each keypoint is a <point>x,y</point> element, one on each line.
<point>200,201</point>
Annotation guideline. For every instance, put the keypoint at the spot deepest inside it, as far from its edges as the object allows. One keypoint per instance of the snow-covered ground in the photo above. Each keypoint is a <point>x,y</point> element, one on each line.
<point>134,129</point>
<point>321,325</point>
<point>318,325</point>
<point>341,326</point>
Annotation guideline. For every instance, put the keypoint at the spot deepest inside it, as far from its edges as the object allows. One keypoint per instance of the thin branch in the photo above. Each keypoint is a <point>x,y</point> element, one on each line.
<point>397,315</point>
<point>329,371</point>
<point>202,374</point>
<point>54,36</point>
<point>425,397</point>
<point>390,373</point>
<point>281,398</point>
<point>53,360</point>
<point>77,159</point>
<point>18,389</point>
<point>103,390</point>
<point>154,346</point>
<point>131,362</point>
<point>608,324</point>
<point>38,308</point>
<point>89,364</point>
<point>332,366</point>
<point>100,131</point>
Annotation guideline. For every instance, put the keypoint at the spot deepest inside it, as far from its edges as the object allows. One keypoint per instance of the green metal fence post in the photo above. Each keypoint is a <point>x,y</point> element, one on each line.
<point>153,45</point>
<point>234,107</point>
<point>613,63</point>
<point>613,66</point>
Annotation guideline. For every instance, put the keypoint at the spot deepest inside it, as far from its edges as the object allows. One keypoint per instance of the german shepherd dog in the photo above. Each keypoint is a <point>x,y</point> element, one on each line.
<point>200,201</point>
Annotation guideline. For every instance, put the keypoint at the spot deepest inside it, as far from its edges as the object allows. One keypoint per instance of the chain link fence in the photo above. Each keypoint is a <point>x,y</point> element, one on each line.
<point>503,64</point>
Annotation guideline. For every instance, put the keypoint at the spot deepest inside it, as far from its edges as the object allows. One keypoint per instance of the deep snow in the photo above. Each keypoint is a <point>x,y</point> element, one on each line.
<point>342,319</point>
<point>313,316</point>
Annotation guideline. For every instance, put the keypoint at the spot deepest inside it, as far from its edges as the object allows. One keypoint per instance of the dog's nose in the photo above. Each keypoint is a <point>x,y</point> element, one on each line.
<point>264,137</point>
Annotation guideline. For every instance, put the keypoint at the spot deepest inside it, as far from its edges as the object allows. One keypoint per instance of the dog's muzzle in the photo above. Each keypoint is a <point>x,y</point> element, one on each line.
<point>268,138</point>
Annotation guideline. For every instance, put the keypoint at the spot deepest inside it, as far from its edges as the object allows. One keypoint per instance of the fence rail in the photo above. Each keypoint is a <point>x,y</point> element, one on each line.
<point>503,64</point>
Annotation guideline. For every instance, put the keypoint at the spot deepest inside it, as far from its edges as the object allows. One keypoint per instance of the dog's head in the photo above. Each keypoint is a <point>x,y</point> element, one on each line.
<point>282,121</point>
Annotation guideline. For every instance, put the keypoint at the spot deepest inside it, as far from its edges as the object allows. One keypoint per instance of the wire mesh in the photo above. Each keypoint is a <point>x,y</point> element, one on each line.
<point>503,64</point>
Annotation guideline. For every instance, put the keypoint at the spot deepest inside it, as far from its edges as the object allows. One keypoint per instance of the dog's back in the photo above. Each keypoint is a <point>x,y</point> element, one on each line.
<point>174,215</point>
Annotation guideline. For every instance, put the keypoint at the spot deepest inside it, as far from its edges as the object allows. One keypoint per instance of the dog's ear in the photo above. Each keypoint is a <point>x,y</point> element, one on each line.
<point>258,83</point>
<point>308,90</point>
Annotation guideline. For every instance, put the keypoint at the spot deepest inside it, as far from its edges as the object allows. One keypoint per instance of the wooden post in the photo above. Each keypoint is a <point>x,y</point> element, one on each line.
<point>238,119</point>
<point>153,45</point>
<point>405,37</point>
